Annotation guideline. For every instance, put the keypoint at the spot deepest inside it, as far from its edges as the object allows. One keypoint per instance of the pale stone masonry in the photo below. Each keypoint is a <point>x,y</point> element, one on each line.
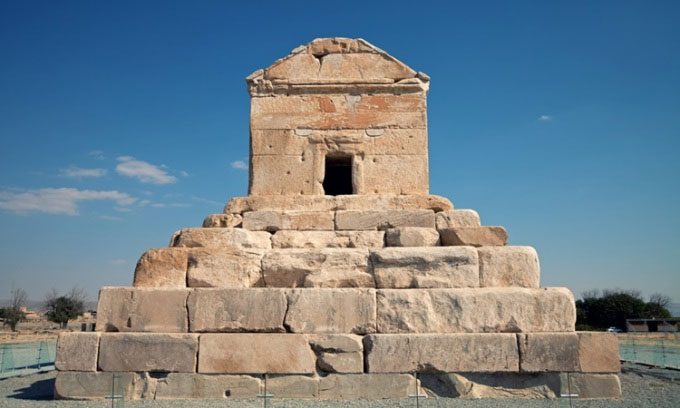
<point>339,276</point>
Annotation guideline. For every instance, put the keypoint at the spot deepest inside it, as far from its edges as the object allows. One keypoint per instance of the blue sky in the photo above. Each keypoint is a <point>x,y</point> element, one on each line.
<point>120,122</point>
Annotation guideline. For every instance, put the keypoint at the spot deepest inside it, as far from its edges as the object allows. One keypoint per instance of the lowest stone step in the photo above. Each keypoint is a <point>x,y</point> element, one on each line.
<point>347,310</point>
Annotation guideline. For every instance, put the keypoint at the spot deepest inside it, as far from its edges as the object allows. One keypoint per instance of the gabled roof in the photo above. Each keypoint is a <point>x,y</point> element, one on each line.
<point>332,62</point>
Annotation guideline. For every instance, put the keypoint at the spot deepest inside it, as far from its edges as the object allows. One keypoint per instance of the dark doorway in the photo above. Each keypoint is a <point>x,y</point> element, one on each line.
<point>338,179</point>
<point>653,326</point>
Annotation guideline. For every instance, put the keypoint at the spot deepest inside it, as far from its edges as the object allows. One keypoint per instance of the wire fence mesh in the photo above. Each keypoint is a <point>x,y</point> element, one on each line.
<point>659,351</point>
<point>21,358</point>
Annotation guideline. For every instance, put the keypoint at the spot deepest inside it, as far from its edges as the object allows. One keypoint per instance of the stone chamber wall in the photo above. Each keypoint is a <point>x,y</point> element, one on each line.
<point>332,300</point>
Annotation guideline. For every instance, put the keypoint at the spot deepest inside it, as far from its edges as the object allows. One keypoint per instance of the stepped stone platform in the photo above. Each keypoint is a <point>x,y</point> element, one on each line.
<point>339,276</point>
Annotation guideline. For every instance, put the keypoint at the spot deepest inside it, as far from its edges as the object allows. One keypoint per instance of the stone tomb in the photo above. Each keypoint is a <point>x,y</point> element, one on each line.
<point>339,276</point>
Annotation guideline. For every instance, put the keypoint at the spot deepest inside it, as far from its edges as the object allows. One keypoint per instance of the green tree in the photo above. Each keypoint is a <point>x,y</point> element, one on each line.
<point>13,314</point>
<point>613,307</point>
<point>65,307</point>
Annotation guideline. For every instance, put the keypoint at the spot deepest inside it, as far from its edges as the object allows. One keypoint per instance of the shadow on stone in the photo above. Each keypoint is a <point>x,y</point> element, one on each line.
<point>39,391</point>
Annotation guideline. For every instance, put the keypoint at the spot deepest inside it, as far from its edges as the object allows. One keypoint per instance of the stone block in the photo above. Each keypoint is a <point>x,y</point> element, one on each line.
<point>235,238</point>
<point>492,385</point>
<point>589,386</point>
<point>96,385</point>
<point>457,219</point>
<point>411,237</point>
<point>366,386</point>
<point>338,112</point>
<point>203,386</point>
<point>293,386</point>
<point>77,351</point>
<point>328,239</point>
<point>475,236</point>
<point>399,353</point>
<point>237,310</point>
<point>162,267</point>
<point>238,205</point>
<point>383,219</point>
<point>249,353</point>
<point>327,267</point>
<point>598,352</point>
<point>548,352</point>
<point>222,221</point>
<point>338,353</point>
<point>224,268</point>
<point>321,311</point>
<point>479,310</point>
<point>426,267</point>
<point>509,266</point>
<point>142,310</point>
<point>395,174</point>
<point>288,220</point>
<point>148,352</point>
<point>292,175</point>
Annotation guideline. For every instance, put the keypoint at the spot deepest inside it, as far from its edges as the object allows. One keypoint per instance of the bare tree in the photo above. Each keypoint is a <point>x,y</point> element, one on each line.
<point>660,300</point>
<point>14,313</point>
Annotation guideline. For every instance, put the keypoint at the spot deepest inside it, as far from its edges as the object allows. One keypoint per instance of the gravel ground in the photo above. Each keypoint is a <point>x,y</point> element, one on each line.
<point>642,387</point>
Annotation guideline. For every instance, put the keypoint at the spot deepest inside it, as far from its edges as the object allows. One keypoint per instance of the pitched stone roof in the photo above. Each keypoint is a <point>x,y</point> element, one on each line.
<point>336,62</point>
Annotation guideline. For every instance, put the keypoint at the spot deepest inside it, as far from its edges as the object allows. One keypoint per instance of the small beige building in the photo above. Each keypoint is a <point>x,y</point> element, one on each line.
<point>338,116</point>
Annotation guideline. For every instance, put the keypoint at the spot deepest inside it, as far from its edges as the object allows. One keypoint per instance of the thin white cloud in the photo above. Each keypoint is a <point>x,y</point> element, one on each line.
<point>97,154</point>
<point>78,172</point>
<point>239,165</point>
<point>545,118</point>
<point>183,173</point>
<point>57,200</point>
<point>143,171</point>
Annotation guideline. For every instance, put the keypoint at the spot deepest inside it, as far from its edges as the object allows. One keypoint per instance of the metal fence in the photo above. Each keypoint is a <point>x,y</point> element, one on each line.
<point>20,358</point>
<point>661,351</point>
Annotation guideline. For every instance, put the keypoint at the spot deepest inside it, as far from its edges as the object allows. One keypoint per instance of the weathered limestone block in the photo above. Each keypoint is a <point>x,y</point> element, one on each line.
<point>249,353</point>
<point>327,267</point>
<point>366,386</point>
<point>293,386</point>
<point>328,239</point>
<point>331,311</point>
<point>222,221</point>
<point>96,385</point>
<point>288,220</point>
<point>492,385</point>
<point>148,352</point>
<point>383,219</point>
<point>457,218</point>
<point>395,174</point>
<point>290,175</point>
<point>338,353</point>
<point>162,267</point>
<point>77,351</point>
<point>237,310</point>
<point>475,236</point>
<point>333,203</point>
<point>185,385</point>
<point>405,111</point>
<point>598,352</point>
<point>509,266</point>
<point>224,268</point>
<point>593,385</point>
<point>479,310</point>
<point>426,267</point>
<point>236,238</point>
<point>548,352</point>
<point>399,353</point>
<point>411,237</point>
<point>142,310</point>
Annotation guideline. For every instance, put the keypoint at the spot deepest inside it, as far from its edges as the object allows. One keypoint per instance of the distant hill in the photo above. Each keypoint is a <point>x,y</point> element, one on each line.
<point>39,305</point>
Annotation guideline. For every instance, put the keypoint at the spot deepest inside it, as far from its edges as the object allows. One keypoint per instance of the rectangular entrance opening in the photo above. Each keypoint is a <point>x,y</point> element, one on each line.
<point>338,178</point>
